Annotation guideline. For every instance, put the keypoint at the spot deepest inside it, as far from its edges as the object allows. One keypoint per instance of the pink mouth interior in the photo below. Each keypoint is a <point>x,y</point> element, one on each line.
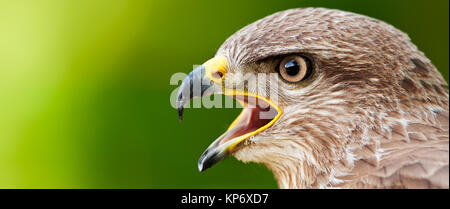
<point>256,114</point>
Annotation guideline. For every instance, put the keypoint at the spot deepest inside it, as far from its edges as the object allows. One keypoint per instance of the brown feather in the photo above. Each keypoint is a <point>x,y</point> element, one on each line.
<point>374,115</point>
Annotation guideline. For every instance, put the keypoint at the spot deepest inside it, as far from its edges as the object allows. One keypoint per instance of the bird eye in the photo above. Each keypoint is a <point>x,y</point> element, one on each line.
<point>295,68</point>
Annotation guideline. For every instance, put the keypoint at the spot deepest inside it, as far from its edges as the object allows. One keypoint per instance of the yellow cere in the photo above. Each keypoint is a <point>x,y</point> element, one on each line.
<point>219,65</point>
<point>215,66</point>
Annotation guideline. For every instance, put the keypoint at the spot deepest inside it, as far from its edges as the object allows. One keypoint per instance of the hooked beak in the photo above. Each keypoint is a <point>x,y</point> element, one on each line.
<point>258,114</point>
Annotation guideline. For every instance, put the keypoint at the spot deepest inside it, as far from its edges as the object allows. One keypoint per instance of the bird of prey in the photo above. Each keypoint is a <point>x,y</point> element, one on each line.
<point>358,104</point>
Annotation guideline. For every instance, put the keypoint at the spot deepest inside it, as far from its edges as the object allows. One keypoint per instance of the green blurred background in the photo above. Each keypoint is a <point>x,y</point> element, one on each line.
<point>84,87</point>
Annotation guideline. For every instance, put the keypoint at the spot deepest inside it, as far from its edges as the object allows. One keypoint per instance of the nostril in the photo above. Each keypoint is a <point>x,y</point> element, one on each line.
<point>218,75</point>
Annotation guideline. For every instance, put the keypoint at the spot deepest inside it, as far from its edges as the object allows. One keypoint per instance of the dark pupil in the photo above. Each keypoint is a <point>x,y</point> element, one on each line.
<point>292,67</point>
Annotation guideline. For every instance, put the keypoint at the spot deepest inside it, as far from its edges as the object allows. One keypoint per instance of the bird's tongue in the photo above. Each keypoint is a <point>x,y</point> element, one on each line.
<point>256,114</point>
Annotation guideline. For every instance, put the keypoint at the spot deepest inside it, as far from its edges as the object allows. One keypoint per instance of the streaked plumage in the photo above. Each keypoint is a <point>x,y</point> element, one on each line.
<point>375,114</point>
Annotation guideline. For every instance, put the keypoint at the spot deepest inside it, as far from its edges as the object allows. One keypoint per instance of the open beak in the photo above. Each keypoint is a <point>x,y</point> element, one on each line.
<point>258,114</point>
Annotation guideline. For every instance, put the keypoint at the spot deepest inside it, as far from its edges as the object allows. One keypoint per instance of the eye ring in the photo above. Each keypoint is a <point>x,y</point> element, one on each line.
<point>295,68</point>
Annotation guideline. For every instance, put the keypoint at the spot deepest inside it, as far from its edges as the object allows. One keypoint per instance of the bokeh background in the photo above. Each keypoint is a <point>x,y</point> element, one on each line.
<point>84,87</point>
